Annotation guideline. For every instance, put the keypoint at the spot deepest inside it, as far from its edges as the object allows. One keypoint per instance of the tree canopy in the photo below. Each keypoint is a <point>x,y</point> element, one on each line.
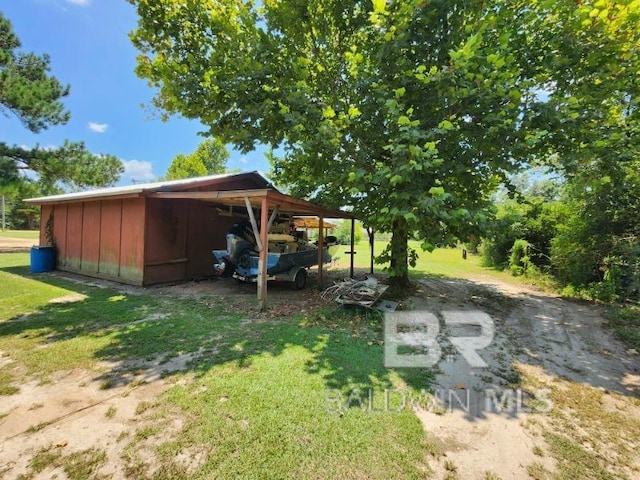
<point>208,159</point>
<point>29,92</point>
<point>411,112</point>
<point>70,165</point>
<point>26,88</point>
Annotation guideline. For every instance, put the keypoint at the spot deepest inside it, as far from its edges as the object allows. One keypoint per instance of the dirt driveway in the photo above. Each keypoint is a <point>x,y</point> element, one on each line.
<point>557,390</point>
<point>553,375</point>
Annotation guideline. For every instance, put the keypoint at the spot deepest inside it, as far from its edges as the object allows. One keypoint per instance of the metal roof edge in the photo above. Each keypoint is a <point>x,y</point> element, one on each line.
<point>139,189</point>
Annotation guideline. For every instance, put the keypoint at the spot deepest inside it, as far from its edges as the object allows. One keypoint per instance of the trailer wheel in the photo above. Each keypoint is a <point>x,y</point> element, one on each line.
<point>300,280</point>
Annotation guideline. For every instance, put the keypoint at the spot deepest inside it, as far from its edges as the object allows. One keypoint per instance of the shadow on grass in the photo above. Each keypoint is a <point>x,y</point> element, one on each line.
<point>149,334</point>
<point>155,331</point>
<point>134,333</point>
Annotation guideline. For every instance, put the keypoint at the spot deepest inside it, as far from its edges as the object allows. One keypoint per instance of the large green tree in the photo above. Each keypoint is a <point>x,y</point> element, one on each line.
<point>208,159</point>
<point>26,88</point>
<point>592,127</point>
<point>411,112</point>
<point>30,93</point>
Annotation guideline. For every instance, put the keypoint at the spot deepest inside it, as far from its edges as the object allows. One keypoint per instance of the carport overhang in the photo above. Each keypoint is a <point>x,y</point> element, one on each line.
<point>266,200</point>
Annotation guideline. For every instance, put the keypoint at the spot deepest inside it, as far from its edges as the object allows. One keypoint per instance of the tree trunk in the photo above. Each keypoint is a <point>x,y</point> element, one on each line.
<point>399,272</point>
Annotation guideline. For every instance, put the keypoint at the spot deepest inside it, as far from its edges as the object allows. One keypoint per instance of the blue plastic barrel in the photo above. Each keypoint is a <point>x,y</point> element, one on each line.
<point>43,259</point>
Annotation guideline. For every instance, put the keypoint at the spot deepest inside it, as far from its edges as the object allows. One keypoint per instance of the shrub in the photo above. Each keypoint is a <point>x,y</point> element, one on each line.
<point>520,261</point>
<point>343,232</point>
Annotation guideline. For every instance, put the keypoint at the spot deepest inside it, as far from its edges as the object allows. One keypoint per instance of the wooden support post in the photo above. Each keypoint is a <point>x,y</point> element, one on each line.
<point>320,250</point>
<point>262,264</point>
<point>372,242</point>
<point>254,224</point>
<point>353,235</point>
<point>271,219</point>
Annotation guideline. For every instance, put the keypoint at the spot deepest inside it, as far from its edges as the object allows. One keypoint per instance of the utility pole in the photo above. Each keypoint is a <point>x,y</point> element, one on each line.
<point>3,216</point>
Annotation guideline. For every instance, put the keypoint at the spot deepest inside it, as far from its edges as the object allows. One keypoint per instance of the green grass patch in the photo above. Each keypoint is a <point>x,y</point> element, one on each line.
<point>47,337</point>
<point>537,471</point>
<point>274,414</point>
<point>446,262</point>
<point>29,234</point>
<point>258,400</point>
<point>23,293</point>
<point>80,465</point>
<point>46,457</point>
<point>37,427</point>
<point>6,380</point>
<point>624,321</point>
<point>284,405</point>
<point>84,464</point>
<point>574,461</point>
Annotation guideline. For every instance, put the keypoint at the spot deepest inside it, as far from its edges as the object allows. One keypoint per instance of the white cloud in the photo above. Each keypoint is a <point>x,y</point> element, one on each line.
<point>244,160</point>
<point>98,127</point>
<point>82,3</point>
<point>137,170</point>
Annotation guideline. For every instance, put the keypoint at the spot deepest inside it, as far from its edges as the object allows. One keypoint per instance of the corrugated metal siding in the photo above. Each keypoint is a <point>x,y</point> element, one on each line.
<point>209,182</point>
<point>91,237</point>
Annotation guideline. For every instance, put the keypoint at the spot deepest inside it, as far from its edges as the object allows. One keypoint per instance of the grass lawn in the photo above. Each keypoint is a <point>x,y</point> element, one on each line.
<point>442,261</point>
<point>29,234</point>
<point>268,398</point>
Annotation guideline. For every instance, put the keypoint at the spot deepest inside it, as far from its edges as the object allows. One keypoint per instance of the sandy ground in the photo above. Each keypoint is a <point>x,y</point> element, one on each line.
<point>15,245</point>
<point>542,332</point>
<point>545,336</point>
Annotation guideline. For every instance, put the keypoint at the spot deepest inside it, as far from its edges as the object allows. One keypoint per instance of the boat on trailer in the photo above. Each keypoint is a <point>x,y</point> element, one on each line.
<point>289,254</point>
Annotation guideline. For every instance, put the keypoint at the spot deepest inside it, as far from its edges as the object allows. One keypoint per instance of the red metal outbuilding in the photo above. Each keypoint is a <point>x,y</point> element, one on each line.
<point>126,234</point>
<point>159,232</point>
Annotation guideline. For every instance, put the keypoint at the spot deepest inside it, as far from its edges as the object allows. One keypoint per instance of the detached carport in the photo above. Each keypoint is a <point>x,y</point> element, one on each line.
<point>267,200</point>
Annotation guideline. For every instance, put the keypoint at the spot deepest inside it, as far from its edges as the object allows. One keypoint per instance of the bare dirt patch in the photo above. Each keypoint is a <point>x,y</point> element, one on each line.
<point>496,420</point>
<point>238,296</point>
<point>74,412</point>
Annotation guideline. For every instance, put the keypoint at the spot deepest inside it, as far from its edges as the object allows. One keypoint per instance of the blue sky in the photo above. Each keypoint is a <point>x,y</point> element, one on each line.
<point>89,47</point>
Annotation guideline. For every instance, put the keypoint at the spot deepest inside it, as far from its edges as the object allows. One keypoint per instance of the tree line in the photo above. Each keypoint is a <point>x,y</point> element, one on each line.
<point>583,230</point>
